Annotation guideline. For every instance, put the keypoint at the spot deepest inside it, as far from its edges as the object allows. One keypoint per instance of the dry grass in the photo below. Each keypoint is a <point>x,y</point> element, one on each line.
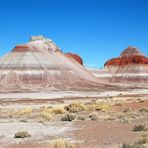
<point>139,144</point>
<point>49,113</point>
<point>23,112</point>
<point>103,106</point>
<point>46,115</point>
<point>92,106</point>
<point>75,107</point>
<point>61,143</point>
<point>54,110</point>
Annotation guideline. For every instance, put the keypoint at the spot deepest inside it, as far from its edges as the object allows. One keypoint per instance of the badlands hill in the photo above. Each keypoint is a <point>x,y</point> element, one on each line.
<point>75,57</point>
<point>40,64</point>
<point>131,67</point>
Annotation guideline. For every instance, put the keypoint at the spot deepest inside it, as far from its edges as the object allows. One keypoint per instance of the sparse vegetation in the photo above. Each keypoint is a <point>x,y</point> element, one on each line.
<point>81,117</point>
<point>103,106</point>
<point>118,104</point>
<point>93,116</point>
<point>127,110</point>
<point>47,116</point>
<point>143,110</point>
<point>48,113</point>
<point>61,143</point>
<point>143,140</point>
<point>125,145</point>
<point>138,128</point>
<point>58,111</point>
<point>22,134</point>
<point>23,120</point>
<point>23,112</point>
<point>140,101</point>
<point>54,110</point>
<point>75,107</point>
<point>68,117</point>
<point>140,144</point>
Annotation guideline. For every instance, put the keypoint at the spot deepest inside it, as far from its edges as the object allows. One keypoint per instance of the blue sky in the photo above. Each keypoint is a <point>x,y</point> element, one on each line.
<point>97,30</point>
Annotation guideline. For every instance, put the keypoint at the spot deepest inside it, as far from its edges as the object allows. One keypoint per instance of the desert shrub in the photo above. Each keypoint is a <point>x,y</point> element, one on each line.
<point>118,104</point>
<point>48,113</point>
<point>127,110</point>
<point>49,107</point>
<point>68,117</point>
<point>58,111</point>
<point>143,110</point>
<point>140,127</point>
<point>23,120</point>
<point>61,143</point>
<point>90,107</point>
<point>125,145</point>
<point>81,117</point>
<point>54,110</point>
<point>110,119</point>
<point>140,100</point>
<point>22,134</point>
<point>93,116</point>
<point>103,106</point>
<point>143,139</point>
<point>75,107</point>
<point>140,144</point>
<point>47,116</point>
<point>23,112</point>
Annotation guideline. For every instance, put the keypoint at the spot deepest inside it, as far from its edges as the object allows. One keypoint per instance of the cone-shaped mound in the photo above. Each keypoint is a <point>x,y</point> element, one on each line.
<point>40,64</point>
<point>75,57</point>
<point>130,67</point>
<point>130,56</point>
<point>131,51</point>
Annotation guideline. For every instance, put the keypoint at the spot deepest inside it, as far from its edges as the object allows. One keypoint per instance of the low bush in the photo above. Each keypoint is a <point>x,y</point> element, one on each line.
<point>75,107</point>
<point>93,116</point>
<point>103,106</point>
<point>22,134</point>
<point>125,145</point>
<point>61,143</point>
<point>68,117</point>
<point>81,117</point>
<point>143,110</point>
<point>138,128</point>
<point>47,116</point>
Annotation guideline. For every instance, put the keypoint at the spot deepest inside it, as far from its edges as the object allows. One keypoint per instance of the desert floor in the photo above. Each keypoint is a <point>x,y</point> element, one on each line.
<point>84,121</point>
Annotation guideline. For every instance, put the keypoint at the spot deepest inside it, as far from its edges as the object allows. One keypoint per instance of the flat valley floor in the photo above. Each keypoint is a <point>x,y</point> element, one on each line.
<point>84,121</point>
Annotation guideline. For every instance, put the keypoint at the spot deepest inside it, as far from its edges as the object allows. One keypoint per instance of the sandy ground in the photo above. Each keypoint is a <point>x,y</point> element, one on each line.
<point>109,131</point>
<point>69,94</point>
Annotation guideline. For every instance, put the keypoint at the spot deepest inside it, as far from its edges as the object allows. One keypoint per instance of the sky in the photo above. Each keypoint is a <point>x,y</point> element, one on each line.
<point>97,30</point>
